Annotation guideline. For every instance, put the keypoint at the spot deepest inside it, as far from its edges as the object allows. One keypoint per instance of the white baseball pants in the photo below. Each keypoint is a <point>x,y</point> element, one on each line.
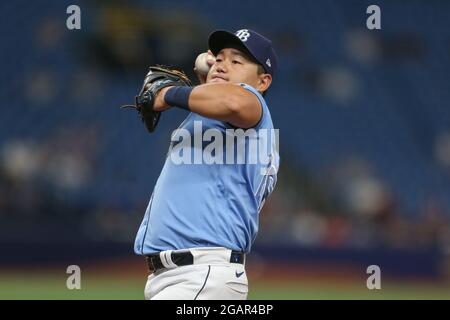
<point>210,277</point>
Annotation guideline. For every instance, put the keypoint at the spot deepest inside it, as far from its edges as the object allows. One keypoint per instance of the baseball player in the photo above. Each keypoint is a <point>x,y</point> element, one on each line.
<point>202,218</point>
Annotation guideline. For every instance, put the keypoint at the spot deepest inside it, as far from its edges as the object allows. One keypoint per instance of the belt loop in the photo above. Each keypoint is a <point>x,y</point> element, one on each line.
<point>166,259</point>
<point>237,257</point>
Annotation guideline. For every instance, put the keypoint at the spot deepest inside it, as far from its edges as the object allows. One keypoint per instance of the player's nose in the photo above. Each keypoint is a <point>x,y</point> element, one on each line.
<point>220,67</point>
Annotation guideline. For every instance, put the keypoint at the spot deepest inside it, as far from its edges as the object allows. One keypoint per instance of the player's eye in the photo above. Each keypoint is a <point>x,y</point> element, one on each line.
<point>236,62</point>
<point>218,59</point>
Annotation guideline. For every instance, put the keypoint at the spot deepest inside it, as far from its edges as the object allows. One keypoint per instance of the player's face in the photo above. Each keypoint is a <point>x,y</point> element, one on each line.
<point>232,65</point>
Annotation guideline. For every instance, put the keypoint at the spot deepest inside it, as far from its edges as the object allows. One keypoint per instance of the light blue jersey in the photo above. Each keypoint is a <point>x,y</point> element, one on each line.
<point>210,194</point>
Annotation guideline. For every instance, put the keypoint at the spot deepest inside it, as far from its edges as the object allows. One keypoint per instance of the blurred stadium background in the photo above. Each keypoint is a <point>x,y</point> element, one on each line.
<point>364,121</point>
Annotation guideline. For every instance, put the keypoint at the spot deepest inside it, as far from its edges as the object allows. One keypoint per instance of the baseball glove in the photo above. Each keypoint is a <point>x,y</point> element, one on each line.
<point>156,79</point>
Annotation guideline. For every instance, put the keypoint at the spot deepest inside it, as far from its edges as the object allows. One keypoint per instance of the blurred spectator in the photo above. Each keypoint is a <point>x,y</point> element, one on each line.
<point>363,46</point>
<point>39,178</point>
<point>48,33</point>
<point>367,46</point>
<point>89,86</point>
<point>41,87</point>
<point>339,84</point>
<point>21,160</point>
<point>403,47</point>
<point>68,157</point>
<point>309,228</point>
<point>442,149</point>
<point>130,38</point>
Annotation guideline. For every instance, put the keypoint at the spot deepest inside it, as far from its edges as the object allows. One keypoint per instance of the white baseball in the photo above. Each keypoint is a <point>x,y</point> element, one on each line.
<point>201,64</point>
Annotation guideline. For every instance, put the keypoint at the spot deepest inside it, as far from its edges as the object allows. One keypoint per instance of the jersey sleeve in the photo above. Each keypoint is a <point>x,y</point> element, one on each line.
<point>261,100</point>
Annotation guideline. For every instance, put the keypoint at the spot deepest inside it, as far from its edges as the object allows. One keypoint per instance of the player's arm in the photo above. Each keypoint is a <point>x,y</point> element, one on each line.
<point>227,102</point>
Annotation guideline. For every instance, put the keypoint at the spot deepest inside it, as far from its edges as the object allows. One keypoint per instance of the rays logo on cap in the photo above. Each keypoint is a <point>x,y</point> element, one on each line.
<point>243,34</point>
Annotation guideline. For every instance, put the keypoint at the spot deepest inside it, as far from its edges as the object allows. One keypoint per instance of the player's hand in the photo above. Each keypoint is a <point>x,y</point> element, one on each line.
<point>160,103</point>
<point>201,76</point>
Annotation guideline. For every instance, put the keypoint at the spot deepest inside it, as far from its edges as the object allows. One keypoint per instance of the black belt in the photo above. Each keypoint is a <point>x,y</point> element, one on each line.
<point>185,258</point>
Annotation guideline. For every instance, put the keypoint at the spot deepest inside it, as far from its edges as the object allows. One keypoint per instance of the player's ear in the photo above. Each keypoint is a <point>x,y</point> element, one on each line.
<point>264,82</point>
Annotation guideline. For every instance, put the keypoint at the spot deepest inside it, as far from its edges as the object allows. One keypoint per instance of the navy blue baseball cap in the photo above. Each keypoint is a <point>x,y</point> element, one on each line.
<point>259,47</point>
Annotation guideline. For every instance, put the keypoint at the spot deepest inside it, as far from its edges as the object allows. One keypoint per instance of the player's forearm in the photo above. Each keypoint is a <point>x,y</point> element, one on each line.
<point>220,101</point>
